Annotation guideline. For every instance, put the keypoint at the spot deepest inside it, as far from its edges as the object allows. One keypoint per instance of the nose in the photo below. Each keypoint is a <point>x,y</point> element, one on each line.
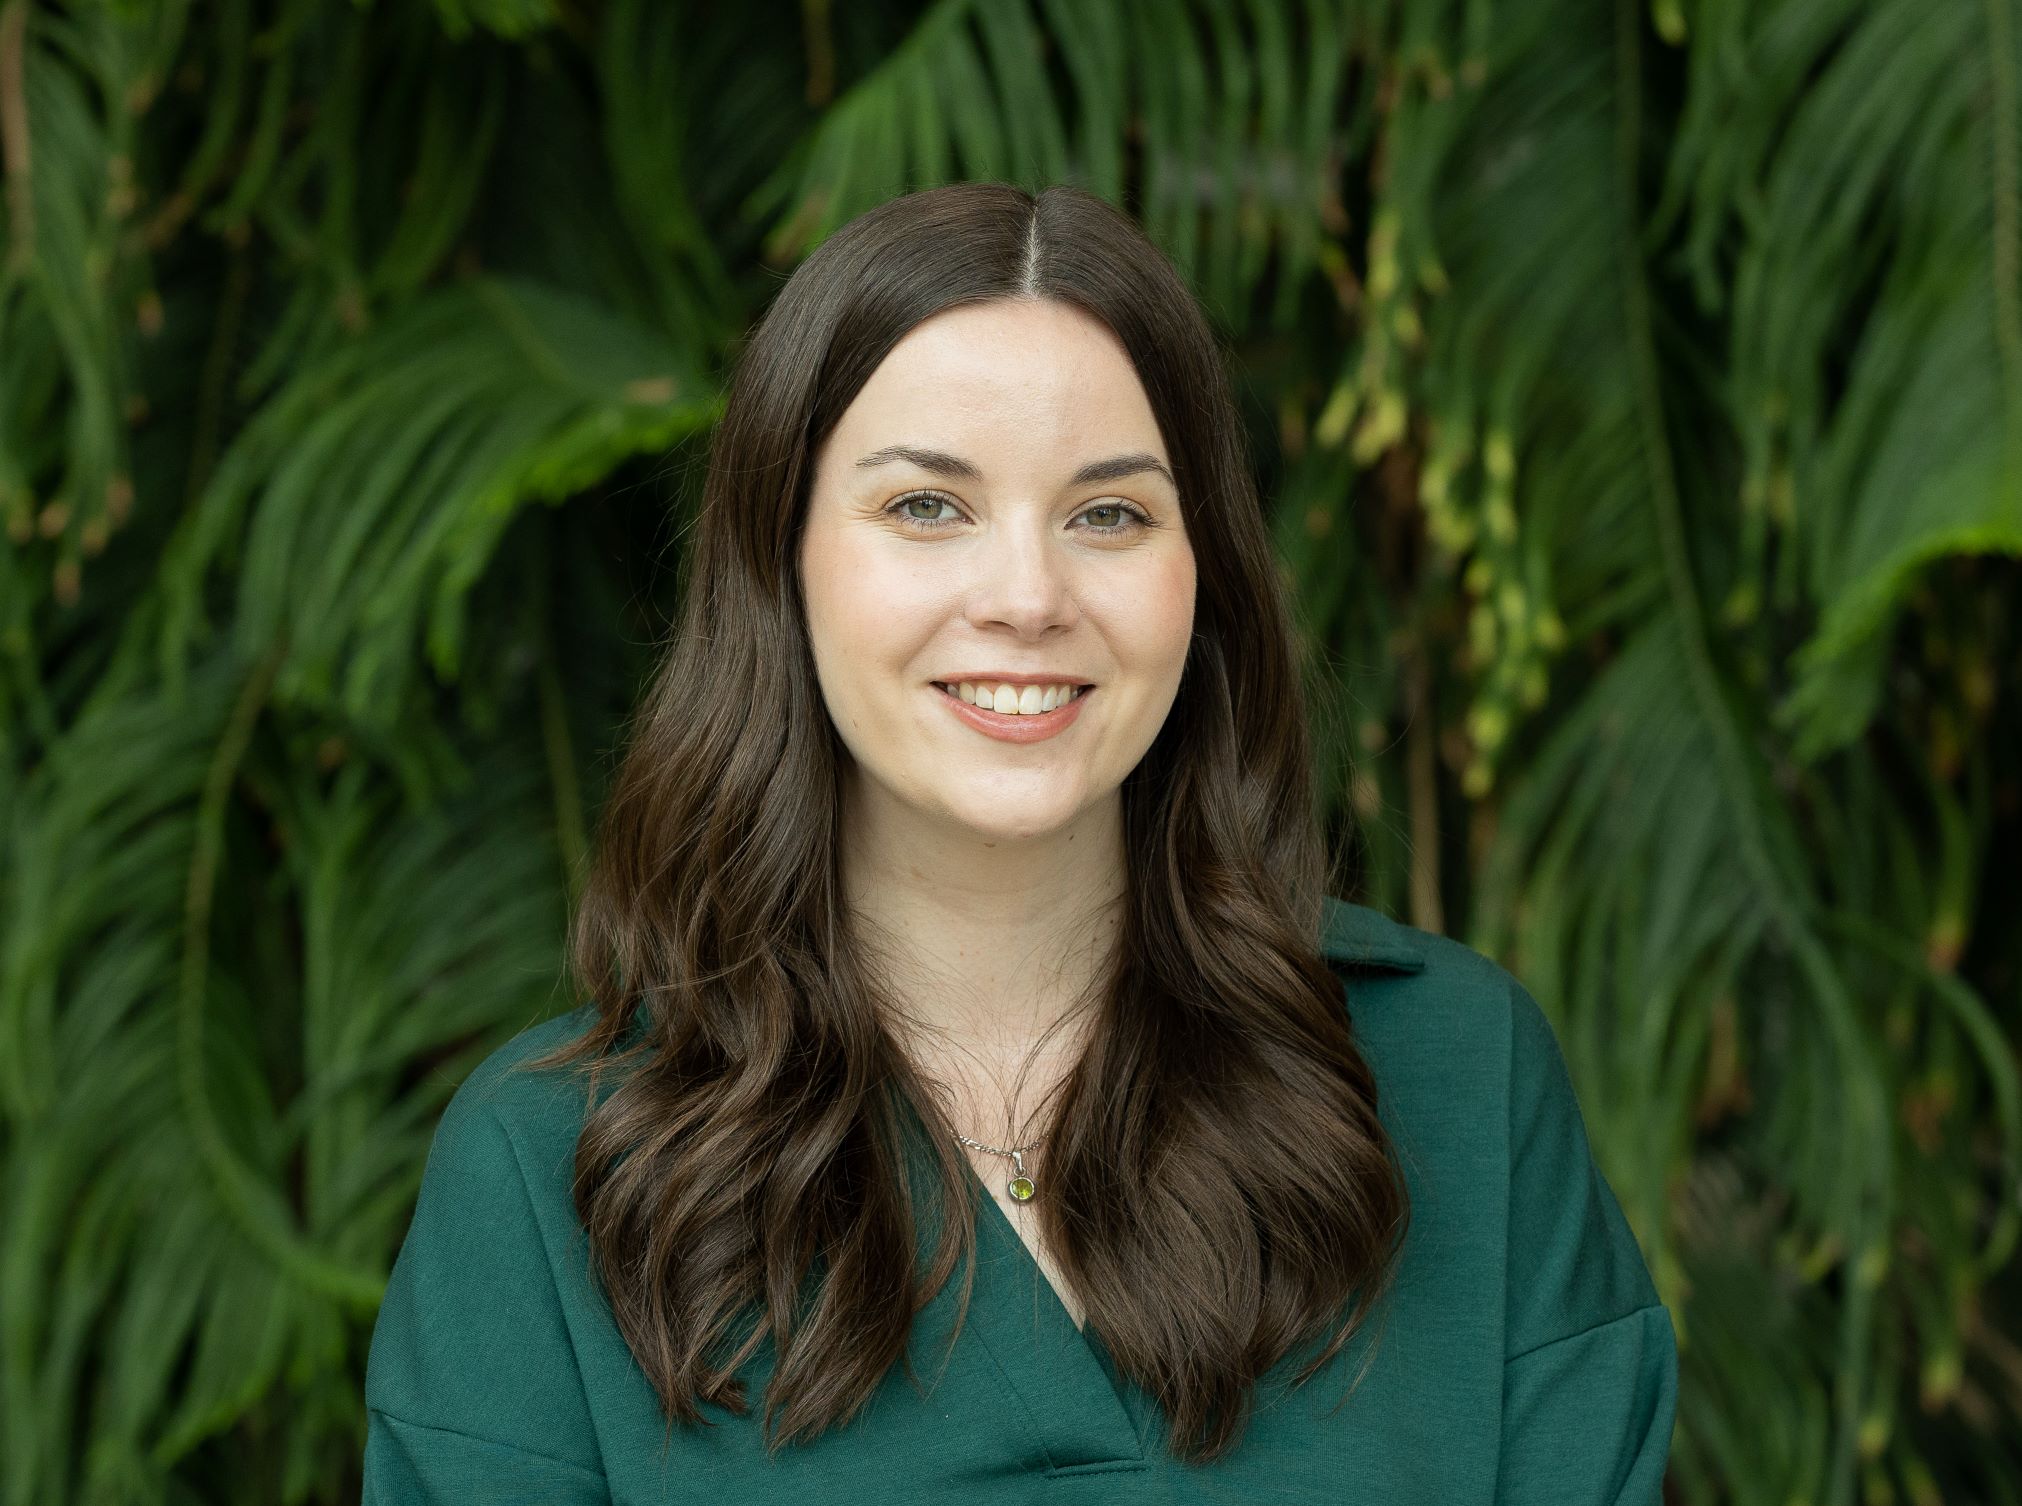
<point>1025,581</point>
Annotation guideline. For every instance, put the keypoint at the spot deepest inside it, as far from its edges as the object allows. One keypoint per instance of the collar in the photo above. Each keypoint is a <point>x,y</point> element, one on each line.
<point>1361,937</point>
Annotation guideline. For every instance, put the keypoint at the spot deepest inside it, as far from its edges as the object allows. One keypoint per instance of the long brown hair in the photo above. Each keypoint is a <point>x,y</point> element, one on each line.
<point>747,1177</point>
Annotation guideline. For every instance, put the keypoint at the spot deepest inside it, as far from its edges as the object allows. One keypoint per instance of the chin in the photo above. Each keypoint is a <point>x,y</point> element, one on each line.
<point>1022,826</point>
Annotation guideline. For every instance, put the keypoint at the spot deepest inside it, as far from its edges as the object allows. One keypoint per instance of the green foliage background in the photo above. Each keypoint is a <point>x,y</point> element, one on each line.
<point>1637,390</point>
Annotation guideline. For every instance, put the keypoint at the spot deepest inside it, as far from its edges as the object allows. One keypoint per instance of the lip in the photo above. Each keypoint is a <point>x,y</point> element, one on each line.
<point>1014,729</point>
<point>1011,677</point>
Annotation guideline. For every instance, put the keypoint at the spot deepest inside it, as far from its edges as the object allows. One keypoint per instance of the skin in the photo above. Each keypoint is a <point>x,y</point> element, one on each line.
<point>989,873</point>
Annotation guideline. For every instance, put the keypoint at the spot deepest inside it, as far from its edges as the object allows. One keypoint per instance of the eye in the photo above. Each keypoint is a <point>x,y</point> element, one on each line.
<point>919,524</point>
<point>1129,519</point>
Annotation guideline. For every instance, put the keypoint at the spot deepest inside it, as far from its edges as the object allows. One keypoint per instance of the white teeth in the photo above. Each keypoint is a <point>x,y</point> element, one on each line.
<point>1015,700</point>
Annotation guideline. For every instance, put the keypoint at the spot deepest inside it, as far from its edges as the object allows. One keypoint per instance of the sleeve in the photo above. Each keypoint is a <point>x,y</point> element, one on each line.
<point>472,1390</point>
<point>1590,1370</point>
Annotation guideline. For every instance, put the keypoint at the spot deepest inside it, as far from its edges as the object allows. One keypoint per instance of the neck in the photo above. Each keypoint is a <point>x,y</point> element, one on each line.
<point>989,947</point>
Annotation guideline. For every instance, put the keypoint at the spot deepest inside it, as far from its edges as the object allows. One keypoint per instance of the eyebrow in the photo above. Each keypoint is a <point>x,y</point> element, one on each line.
<point>954,468</point>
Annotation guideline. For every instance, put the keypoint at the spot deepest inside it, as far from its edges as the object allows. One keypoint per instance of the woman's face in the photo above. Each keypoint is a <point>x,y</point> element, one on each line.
<point>997,507</point>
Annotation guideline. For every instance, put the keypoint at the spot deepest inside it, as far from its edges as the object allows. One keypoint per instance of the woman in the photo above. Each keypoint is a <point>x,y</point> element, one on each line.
<point>965,845</point>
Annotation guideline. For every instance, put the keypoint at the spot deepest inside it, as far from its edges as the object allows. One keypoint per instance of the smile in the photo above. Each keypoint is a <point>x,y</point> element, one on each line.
<point>1014,727</point>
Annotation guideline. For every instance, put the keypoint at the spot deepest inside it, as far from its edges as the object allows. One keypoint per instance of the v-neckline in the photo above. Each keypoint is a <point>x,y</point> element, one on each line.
<point>1016,1240</point>
<point>1088,1415</point>
<point>1061,1391</point>
<point>1010,1229</point>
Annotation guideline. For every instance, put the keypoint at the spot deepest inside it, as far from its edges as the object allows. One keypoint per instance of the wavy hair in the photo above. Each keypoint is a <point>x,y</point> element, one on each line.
<point>1219,1187</point>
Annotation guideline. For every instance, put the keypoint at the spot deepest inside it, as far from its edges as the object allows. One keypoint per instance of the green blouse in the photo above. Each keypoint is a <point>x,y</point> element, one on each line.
<point>1523,1355</point>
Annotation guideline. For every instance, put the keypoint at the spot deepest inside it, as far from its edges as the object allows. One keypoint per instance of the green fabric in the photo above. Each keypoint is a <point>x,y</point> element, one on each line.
<point>1521,1357</point>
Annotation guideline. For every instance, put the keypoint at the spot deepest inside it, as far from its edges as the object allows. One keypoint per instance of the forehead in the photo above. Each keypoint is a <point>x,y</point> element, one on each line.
<point>1010,369</point>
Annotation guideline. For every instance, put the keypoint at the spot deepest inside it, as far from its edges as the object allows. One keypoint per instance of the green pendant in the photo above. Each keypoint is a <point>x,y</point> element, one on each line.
<point>1020,1186</point>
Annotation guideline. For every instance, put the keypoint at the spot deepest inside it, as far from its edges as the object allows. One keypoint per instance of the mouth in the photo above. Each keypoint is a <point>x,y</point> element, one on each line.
<point>1014,726</point>
<point>1081,692</point>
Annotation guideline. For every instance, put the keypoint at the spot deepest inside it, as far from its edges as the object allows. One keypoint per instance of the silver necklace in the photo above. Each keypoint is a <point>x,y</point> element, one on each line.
<point>1020,1186</point>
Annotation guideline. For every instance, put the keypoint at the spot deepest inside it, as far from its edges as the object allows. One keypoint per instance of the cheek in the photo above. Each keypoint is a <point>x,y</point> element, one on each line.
<point>862,602</point>
<point>1152,620</point>
<point>897,612</point>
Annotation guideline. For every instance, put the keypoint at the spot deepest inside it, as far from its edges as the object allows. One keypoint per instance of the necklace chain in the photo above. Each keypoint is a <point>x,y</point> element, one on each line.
<point>993,1149</point>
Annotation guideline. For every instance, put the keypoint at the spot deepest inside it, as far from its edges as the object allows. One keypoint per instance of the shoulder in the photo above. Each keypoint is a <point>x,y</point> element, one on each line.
<point>516,1088</point>
<point>1458,1045</point>
<point>504,1076</point>
<point>511,1109</point>
<point>491,1266</point>
<point>1413,994</point>
<point>510,1083</point>
<point>1472,1079</point>
<point>509,1130</point>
